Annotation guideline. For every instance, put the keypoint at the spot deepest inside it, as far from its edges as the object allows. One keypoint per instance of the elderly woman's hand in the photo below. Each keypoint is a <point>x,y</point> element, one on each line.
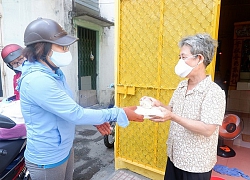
<point>149,101</point>
<point>166,115</point>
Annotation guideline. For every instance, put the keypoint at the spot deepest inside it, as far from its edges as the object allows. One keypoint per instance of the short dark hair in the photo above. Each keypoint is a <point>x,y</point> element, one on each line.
<point>36,51</point>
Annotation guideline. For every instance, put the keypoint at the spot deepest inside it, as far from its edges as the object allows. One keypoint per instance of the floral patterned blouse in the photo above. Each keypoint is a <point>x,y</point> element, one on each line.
<point>206,102</point>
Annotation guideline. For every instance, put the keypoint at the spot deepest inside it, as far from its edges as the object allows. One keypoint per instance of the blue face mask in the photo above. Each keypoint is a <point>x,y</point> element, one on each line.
<point>18,68</point>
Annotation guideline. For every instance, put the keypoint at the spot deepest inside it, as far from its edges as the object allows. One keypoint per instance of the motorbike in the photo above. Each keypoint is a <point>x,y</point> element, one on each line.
<point>109,140</point>
<point>12,166</point>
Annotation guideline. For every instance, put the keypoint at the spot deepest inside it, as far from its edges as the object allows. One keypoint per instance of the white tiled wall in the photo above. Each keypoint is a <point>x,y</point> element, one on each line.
<point>243,86</point>
<point>239,101</point>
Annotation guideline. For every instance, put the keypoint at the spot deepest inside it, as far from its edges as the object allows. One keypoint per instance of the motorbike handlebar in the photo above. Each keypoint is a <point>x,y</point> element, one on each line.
<point>6,122</point>
<point>3,152</point>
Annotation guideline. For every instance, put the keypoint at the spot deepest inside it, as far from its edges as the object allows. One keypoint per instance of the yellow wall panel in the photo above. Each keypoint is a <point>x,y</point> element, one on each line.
<point>147,36</point>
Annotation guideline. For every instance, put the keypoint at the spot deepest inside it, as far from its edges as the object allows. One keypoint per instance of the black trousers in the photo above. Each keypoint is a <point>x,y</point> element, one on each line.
<point>173,173</point>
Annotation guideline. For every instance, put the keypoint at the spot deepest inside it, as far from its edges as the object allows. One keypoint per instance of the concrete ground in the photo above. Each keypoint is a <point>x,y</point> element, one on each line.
<point>121,174</point>
<point>90,153</point>
<point>93,160</point>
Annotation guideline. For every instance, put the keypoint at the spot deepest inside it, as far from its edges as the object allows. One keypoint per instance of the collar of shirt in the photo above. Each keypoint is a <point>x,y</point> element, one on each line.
<point>201,86</point>
<point>29,67</point>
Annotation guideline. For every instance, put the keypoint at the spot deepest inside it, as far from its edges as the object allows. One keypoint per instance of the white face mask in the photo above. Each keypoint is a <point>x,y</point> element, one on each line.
<point>61,59</point>
<point>18,68</point>
<point>182,69</point>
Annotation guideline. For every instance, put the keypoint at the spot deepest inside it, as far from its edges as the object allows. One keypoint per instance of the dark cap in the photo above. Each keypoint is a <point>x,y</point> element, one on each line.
<point>47,30</point>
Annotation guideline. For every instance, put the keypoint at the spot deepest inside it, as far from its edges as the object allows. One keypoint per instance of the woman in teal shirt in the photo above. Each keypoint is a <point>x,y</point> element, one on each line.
<point>47,105</point>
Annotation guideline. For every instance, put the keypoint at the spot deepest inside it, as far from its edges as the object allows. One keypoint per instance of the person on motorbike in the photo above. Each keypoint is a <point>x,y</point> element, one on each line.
<point>12,138</point>
<point>12,56</point>
<point>47,104</point>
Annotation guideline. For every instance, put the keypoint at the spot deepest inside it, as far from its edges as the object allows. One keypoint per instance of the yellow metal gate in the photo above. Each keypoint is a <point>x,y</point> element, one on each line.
<point>147,35</point>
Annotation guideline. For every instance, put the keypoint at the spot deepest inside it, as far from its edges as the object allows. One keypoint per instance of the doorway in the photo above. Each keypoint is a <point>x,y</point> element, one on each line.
<point>86,59</point>
<point>87,68</point>
<point>231,12</point>
<point>233,56</point>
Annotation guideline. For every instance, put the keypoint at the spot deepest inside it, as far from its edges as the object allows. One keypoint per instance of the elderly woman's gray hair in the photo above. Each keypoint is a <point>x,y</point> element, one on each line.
<point>201,44</point>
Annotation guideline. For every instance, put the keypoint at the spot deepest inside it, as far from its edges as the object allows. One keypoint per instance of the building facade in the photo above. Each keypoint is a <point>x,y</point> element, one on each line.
<point>92,69</point>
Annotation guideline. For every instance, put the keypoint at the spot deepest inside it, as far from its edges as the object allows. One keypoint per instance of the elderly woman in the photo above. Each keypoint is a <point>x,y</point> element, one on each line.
<point>48,108</point>
<point>196,110</point>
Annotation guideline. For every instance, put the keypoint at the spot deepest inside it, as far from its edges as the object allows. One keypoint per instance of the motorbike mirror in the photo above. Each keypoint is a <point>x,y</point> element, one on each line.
<point>6,122</point>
